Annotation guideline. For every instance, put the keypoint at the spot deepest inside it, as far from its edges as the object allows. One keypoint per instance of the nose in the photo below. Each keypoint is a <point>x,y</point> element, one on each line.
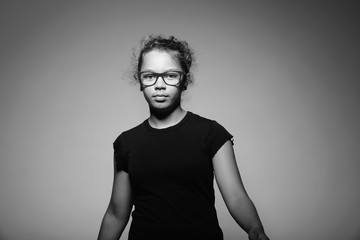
<point>160,83</point>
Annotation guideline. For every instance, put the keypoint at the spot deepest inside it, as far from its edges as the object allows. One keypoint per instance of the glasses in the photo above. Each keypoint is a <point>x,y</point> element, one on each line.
<point>171,78</point>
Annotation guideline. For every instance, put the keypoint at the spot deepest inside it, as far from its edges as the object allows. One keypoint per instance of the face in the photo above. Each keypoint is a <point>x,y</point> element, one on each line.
<point>161,97</point>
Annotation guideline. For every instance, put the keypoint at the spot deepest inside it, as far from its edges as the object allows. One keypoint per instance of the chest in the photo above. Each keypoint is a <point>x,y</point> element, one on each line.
<point>171,158</point>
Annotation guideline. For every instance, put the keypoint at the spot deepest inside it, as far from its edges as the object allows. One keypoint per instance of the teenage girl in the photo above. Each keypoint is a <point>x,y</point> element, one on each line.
<point>165,166</point>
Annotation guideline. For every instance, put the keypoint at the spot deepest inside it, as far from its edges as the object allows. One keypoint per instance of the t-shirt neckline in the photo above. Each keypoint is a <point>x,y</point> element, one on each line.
<point>168,129</point>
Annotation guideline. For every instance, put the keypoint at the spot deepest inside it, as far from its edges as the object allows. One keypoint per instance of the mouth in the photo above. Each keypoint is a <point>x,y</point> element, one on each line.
<point>160,97</point>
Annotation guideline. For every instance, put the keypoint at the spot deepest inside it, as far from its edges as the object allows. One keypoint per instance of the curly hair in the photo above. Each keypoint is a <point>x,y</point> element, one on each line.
<point>182,51</point>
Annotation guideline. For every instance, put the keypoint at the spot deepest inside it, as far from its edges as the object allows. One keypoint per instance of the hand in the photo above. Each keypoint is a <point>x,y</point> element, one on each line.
<point>257,234</point>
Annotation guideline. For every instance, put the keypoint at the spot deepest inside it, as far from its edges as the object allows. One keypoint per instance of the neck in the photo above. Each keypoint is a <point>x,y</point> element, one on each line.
<point>164,119</point>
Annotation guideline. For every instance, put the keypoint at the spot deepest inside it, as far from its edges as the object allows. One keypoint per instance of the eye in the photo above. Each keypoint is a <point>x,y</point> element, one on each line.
<point>172,75</point>
<point>148,76</point>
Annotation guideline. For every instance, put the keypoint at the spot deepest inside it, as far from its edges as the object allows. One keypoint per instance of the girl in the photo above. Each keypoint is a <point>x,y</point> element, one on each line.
<point>165,166</point>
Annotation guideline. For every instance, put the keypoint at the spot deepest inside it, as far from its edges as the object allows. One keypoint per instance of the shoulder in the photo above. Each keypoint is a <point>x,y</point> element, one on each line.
<point>206,126</point>
<point>213,134</point>
<point>129,134</point>
<point>197,119</point>
<point>204,122</point>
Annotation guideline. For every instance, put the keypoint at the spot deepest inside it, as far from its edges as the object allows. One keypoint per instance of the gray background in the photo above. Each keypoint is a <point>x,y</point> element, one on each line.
<point>281,76</point>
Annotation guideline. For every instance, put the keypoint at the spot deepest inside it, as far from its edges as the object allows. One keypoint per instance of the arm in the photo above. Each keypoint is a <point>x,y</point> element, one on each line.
<point>232,189</point>
<point>118,212</point>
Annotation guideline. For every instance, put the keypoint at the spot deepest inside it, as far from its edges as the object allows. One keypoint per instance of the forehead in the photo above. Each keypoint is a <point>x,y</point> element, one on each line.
<point>160,60</point>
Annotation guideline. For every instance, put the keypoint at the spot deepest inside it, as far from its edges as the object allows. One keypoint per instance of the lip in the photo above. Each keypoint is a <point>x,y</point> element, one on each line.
<point>160,97</point>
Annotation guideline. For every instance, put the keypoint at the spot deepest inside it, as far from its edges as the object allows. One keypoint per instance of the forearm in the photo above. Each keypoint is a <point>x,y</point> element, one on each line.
<point>244,213</point>
<point>112,226</point>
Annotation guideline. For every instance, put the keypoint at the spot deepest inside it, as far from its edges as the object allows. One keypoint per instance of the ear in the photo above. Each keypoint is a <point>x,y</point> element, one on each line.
<point>187,76</point>
<point>137,78</point>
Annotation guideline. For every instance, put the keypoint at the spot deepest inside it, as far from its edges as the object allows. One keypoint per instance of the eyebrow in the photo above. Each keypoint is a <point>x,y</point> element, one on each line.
<point>169,70</point>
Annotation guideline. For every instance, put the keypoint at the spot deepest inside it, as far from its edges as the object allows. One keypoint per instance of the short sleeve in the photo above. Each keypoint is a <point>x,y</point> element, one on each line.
<point>217,137</point>
<point>120,158</point>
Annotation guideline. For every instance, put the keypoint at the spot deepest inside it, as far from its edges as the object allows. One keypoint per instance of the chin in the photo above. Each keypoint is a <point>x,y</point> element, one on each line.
<point>162,108</point>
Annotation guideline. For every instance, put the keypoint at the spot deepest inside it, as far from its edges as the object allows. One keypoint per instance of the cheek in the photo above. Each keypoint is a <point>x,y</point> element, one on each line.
<point>177,92</point>
<point>146,94</point>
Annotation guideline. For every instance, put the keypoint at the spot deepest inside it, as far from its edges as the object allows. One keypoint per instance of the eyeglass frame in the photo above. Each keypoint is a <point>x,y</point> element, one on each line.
<point>157,75</point>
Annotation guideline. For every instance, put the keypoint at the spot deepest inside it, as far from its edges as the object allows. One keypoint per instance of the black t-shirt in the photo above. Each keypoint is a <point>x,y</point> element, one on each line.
<point>171,175</point>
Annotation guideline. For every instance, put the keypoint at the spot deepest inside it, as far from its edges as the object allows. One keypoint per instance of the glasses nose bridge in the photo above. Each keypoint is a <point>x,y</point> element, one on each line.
<point>160,75</point>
